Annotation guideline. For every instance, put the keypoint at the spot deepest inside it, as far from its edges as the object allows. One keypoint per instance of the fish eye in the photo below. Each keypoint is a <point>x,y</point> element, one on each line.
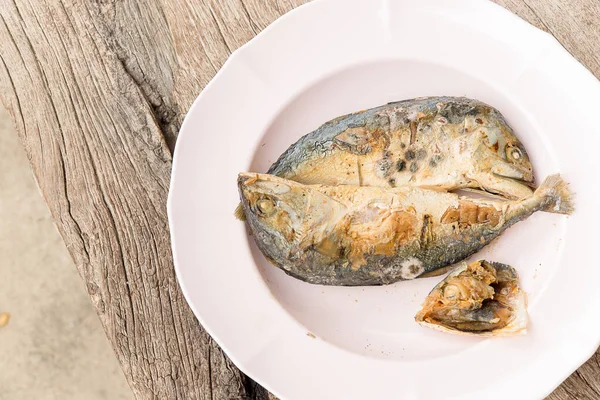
<point>265,207</point>
<point>514,153</point>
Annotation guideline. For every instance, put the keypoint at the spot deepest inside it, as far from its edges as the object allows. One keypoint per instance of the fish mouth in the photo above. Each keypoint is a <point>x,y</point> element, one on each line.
<point>508,187</point>
<point>527,180</point>
<point>263,183</point>
<point>246,178</point>
<point>513,172</point>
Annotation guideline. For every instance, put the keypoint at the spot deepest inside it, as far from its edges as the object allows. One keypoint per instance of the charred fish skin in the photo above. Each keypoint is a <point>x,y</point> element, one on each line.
<point>353,235</point>
<point>482,298</point>
<point>436,142</point>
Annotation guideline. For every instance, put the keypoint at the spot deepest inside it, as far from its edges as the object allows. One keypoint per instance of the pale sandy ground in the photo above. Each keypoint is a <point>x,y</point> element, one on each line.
<point>53,346</point>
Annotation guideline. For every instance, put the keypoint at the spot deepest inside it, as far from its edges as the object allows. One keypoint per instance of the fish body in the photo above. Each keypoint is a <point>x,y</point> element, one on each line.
<point>357,235</point>
<point>443,143</point>
<point>482,298</point>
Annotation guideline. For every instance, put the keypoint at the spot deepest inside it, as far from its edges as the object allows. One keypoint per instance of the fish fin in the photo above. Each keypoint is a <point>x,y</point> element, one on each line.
<point>357,140</point>
<point>239,212</point>
<point>557,189</point>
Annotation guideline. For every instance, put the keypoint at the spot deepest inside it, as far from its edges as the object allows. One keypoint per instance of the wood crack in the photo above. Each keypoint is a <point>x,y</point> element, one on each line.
<point>212,13</point>
<point>177,332</point>
<point>589,385</point>
<point>14,89</point>
<point>165,115</point>
<point>12,39</point>
<point>539,18</point>
<point>204,48</point>
<point>253,26</point>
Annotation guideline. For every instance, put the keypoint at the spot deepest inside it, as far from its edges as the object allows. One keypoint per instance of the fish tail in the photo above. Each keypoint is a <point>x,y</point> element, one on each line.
<point>557,190</point>
<point>239,212</point>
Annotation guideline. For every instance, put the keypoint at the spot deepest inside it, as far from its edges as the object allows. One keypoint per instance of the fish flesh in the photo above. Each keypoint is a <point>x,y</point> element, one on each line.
<point>441,143</point>
<point>481,298</point>
<point>358,235</point>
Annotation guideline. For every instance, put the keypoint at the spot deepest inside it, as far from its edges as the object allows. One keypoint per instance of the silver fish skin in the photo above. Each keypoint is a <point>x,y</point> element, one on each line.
<point>442,143</point>
<point>482,298</point>
<point>356,235</point>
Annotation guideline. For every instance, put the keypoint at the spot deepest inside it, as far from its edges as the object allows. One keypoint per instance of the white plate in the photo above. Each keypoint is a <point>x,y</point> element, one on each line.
<point>332,57</point>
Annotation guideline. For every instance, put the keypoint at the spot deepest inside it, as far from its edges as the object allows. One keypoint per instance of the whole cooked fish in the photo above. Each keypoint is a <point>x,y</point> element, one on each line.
<point>482,298</point>
<point>357,235</point>
<point>442,143</point>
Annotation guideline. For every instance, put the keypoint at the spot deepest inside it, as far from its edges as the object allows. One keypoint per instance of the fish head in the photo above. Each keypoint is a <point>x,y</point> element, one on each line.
<point>481,298</point>
<point>284,212</point>
<point>270,205</point>
<point>503,165</point>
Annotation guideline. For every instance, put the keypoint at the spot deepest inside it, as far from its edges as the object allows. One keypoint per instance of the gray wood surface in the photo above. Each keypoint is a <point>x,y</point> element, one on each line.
<point>98,90</point>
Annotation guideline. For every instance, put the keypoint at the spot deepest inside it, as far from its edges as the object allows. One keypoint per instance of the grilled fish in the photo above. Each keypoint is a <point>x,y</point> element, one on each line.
<point>482,298</point>
<point>357,235</point>
<point>442,143</point>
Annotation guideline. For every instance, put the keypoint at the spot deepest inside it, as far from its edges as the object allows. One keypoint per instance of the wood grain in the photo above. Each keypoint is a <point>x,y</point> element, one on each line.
<point>98,91</point>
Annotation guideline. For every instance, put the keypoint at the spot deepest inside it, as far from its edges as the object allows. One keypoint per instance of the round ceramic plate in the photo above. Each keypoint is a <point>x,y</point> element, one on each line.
<point>332,57</point>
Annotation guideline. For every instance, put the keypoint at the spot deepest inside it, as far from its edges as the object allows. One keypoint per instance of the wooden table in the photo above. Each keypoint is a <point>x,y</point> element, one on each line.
<point>98,90</point>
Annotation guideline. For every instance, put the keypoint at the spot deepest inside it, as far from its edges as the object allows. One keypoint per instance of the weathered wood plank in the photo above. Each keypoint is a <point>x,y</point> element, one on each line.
<point>94,87</point>
<point>103,167</point>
